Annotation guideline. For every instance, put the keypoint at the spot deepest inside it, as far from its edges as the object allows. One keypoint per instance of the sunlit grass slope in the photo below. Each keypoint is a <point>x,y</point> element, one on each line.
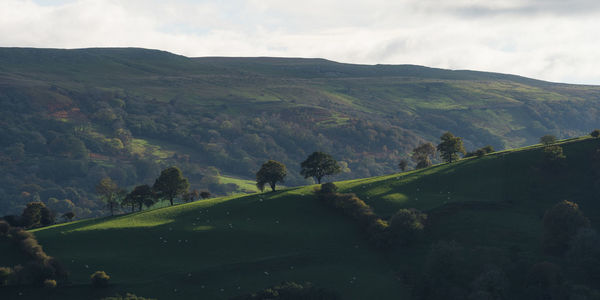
<point>227,246</point>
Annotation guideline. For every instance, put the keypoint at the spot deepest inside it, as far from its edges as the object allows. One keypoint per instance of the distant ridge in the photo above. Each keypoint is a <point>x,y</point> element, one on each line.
<point>276,66</point>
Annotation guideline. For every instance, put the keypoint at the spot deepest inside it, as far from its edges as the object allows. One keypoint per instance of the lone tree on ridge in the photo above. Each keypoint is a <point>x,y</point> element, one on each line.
<point>318,165</point>
<point>171,184</point>
<point>450,147</point>
<point>270,172</point>
<point>422,155</point>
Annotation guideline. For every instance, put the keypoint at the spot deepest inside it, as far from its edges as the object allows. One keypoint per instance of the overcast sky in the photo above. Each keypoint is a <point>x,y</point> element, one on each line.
<point>556,40</point>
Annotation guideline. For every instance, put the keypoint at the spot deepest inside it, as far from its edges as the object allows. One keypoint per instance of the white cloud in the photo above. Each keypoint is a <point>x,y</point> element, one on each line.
<point>546,39</point>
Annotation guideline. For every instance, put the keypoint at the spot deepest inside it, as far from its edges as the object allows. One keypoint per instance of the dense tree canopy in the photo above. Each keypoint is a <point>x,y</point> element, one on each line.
<point>141,195</point>
<point>450,146</point>
<point>36,214</point>
<point>171,184</point>
<point>422,155</point>
<point>270,173</point>
<point>109,192</point>
<point>561,224</point>
<point>403,164</point>
<point>318,165</point>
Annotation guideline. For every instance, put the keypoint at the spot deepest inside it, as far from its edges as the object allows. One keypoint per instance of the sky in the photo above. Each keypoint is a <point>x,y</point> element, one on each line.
<point>554,40</point>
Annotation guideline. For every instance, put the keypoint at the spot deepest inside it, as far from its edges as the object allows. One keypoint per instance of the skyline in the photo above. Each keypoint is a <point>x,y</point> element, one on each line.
<point>548,40</point>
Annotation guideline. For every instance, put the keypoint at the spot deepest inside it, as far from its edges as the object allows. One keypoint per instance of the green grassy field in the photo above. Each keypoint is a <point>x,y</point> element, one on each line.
<point>226,246</point>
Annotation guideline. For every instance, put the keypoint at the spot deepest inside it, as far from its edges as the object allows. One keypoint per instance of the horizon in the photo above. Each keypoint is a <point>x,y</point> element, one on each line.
<point>546,40</point>
<point>310,58</point>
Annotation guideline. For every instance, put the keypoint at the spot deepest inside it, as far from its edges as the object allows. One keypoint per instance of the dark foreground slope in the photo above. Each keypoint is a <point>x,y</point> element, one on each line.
<point>71,117</point>
<point>491,206</point>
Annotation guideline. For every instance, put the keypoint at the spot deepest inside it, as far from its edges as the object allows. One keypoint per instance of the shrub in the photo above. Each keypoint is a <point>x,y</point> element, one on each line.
<point>49,283</point>
<point>32,248</point>
<point>5,275</point>
<point>100,279</point>
<point>553,158</point>
<point>58,269</point>
<point>548,139</point>
<point>595,133</point>
<point>329,188</point>
<point>36,214</point>
<point>407,225</point>
<point>352,206</point>
<point>355,208</point>
<point>19,234</point>
<point>379,233</point>
<point>561,224</point>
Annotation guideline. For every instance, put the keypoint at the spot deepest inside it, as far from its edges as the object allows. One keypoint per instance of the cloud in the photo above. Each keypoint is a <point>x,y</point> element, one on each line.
<point>546,39</point>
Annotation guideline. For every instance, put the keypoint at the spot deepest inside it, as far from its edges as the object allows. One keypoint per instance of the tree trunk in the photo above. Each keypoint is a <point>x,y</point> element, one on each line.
<point>140,206</point>
<point>132,207</point>
<point>272,184</point>
<point>171,200</point>
<point>319,180</point>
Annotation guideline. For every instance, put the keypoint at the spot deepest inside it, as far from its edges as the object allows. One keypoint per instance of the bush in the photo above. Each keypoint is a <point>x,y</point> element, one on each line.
<point>481,151</point>
<point>32,248</point>
<point>355,208</point>
<point>379,233</point>
<point>50,283</point>
<point>36,214</point>
<point>407,225</point>
<point>329,188</point>
<point>19,234</point>
<point>352,206</point>
<point>100,279</point>
<point>5,275</point>
<point>548,139</point>
<point>595,133</point>
<point>561,224</point>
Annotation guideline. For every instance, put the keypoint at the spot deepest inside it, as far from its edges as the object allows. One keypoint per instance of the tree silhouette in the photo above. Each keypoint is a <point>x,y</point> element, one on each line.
<point>270,172</point>
<point>171,183</point>
<point>318,165</point>
<point>141,195</point>
<point>109,192</point>
<point>450,147</point>
<point>403,164</point>
<point>422,155</point>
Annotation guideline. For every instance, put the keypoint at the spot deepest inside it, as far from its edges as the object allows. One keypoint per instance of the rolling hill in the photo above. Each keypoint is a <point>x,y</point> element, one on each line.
<point>492,206</point>
<point>71,117</point>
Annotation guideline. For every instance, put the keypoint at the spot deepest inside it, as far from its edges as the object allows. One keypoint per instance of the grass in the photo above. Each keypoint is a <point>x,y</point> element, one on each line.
<point>246,186</point>
<point>248,242</point>
<point>226,246</point>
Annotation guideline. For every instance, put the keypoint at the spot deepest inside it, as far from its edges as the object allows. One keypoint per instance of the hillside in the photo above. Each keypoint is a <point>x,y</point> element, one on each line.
<point>71,117</point>
<point>223,247</point>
